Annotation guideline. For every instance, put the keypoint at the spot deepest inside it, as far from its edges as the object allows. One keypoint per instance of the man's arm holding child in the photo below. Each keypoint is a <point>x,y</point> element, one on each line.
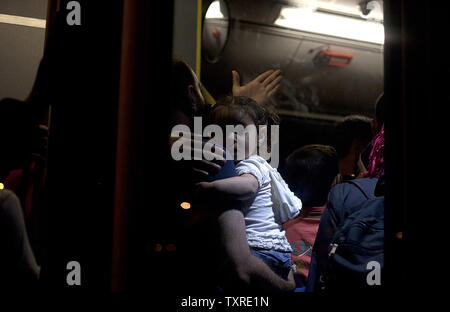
<point>251,271</point>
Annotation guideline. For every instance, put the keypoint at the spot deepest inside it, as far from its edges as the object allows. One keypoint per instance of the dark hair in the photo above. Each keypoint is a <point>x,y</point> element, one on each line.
<point>353,127</point>
<point>235,109</point>
<point>380,109</point>
<point>182,78</point>
<point>232,110</point>
<point>310,171</point>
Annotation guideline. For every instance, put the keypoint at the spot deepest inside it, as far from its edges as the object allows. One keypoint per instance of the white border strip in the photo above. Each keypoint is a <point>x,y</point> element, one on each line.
<point>23,21</point>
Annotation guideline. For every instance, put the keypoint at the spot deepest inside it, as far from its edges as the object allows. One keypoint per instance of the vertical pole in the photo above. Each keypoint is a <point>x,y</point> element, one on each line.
<point>198,58</point>
<point>144,99</point>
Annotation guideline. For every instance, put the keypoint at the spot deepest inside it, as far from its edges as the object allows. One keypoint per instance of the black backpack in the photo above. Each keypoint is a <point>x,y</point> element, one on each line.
<point>356,252</point>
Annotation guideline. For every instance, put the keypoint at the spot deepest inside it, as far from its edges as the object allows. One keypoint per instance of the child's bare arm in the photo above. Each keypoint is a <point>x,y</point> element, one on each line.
<point>241,187</point>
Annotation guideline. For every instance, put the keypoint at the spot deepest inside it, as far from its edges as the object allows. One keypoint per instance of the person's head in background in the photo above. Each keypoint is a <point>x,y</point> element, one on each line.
<point>241,110</point>
<point>380,114</point>
<point>352,135</point>
<point>377,127</point>
<point>373,156</point>
<point>20,136</point>
<point>188,100</point>
<point>310,172</point>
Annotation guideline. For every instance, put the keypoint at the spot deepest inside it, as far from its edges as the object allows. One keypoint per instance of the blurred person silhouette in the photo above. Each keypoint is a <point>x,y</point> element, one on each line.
<point>24,152</point>
<point>18,267</point>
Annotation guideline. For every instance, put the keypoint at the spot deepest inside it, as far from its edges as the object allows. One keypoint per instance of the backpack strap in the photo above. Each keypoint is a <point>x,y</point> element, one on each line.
<point>366,190</point>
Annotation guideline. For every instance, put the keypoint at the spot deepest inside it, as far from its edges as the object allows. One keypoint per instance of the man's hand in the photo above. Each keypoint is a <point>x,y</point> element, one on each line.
<point>202,168</point>
<point>261,89</point>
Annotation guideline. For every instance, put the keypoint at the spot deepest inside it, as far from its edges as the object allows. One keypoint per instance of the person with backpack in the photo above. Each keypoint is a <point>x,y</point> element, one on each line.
<point>349,249</point>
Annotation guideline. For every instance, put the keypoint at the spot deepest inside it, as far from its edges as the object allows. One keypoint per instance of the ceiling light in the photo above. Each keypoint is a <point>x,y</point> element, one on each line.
<point>308,20</point>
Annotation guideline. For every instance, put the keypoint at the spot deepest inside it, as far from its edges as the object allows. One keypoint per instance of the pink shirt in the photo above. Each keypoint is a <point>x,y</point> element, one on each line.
<point>14,181</point>
<point>301,234</point>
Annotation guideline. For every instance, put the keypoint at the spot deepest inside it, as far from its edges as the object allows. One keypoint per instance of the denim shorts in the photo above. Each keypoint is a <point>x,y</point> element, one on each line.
<point>280,262</point>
